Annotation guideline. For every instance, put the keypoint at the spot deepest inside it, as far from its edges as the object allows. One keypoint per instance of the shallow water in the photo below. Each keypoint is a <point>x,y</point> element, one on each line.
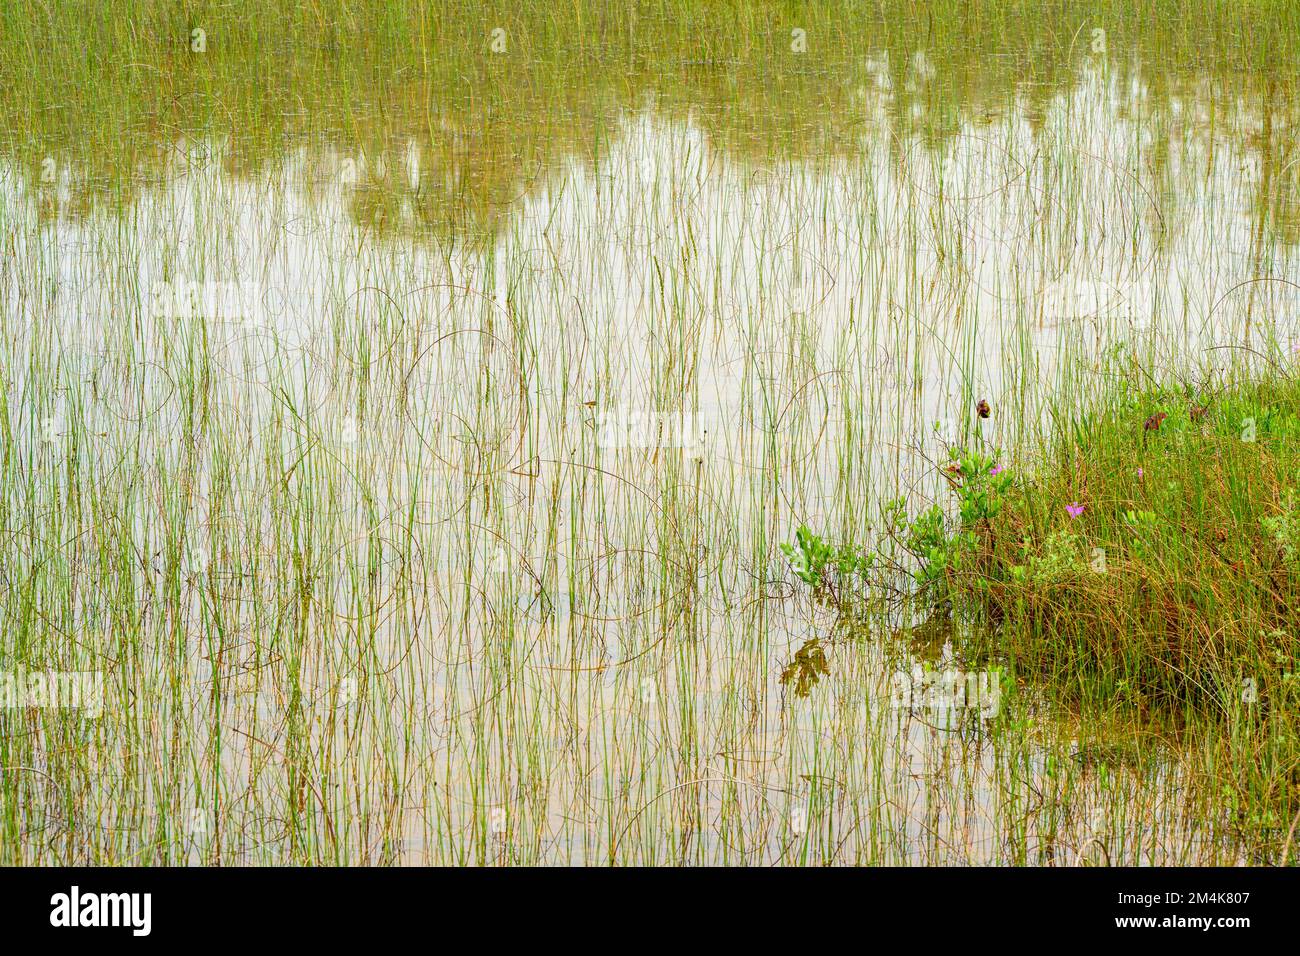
<point>406,546</point>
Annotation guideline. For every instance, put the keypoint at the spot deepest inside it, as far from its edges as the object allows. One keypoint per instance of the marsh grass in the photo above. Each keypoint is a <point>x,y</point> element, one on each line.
<point>365,582</point>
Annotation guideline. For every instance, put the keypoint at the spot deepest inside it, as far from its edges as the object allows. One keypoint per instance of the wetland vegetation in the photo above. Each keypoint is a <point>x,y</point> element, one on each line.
<point>649,432</point>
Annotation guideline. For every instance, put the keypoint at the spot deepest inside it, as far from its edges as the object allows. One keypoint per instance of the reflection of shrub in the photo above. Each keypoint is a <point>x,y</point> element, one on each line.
<point>362,78</point>
<point>807,668</point>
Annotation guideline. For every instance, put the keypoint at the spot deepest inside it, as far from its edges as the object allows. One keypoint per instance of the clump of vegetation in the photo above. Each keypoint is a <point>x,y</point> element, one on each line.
<point>819,564</point>
<point>927,547</point>
<point>1160,565</point>
<point>1152,567</point>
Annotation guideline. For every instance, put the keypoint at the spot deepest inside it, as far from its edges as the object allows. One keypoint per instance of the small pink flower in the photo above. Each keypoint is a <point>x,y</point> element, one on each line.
<point>996,470</point>
<point>1140,472</point>
<point>1074,508</point>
